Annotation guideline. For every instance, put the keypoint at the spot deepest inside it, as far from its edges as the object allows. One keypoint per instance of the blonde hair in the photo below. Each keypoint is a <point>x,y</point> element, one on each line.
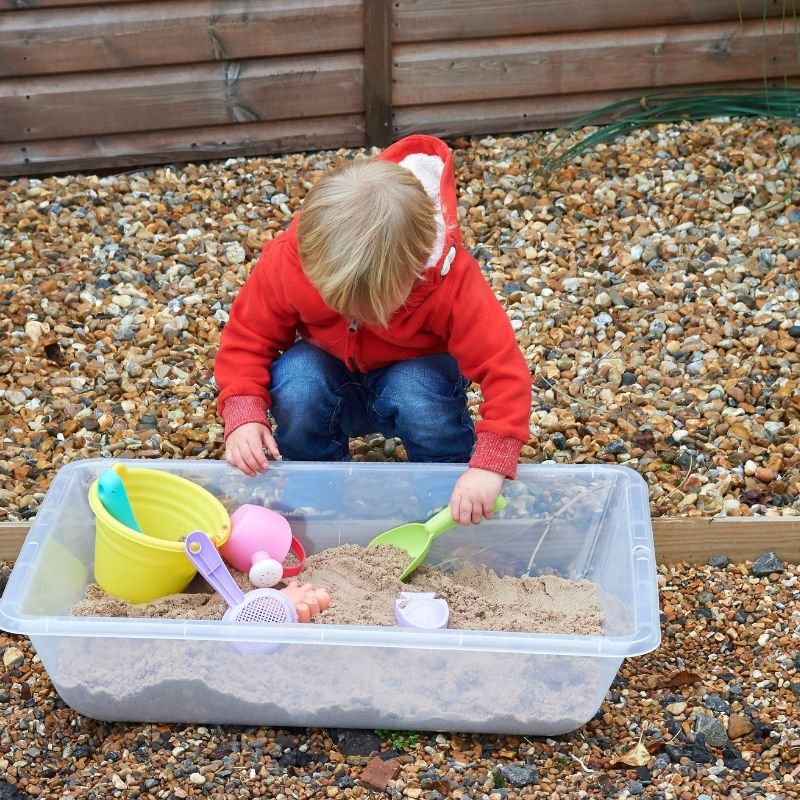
<point>365,233</point>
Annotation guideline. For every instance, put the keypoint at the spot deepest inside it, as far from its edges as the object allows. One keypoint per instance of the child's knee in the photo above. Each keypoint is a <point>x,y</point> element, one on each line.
<point>422,394</point>
<point>436,429</point>
<point>302,369</point>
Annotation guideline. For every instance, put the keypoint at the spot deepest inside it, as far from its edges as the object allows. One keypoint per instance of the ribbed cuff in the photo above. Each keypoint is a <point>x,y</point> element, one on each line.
<point>497,453</point>
<point>241,409</point>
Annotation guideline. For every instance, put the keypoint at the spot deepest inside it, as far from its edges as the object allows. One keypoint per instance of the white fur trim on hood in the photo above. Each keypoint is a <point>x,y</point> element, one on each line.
<point>428,171</point>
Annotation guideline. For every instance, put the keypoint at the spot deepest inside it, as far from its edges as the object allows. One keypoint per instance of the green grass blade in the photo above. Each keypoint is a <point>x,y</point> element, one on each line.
<point>668,106</point>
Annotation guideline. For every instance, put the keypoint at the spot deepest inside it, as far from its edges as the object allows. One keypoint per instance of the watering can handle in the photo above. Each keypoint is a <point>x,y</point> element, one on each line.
<point>443,520</point>
<point>201,552</point>
<point>114,496</point>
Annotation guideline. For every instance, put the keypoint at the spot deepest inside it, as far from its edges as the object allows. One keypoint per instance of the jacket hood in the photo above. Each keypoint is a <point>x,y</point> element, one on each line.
<point>431,161</point>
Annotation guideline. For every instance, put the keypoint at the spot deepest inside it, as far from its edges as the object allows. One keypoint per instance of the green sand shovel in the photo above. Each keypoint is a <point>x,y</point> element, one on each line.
<point>416,538</point>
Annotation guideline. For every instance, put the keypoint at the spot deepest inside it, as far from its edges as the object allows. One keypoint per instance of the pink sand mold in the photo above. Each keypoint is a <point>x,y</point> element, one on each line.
<point>421,610</point>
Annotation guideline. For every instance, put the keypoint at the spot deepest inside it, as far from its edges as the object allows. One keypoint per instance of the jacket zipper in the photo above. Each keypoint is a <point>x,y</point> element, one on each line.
<point>353,331</point>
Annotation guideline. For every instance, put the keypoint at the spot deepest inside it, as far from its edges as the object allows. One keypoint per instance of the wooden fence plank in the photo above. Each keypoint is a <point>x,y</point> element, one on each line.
<point>531,113</point>
<point>486,69</point>
<point>158,147</point>
<point>96,38</point>
<point>12,535</point>
<point>20,5</point>
<point>684,539</point>
<point>378,72</point>
<point>200,95</point>
<point>436,20</point>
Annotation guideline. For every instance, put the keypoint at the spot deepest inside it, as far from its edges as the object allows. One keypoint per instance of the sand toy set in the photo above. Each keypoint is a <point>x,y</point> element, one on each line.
<point>156,531</point>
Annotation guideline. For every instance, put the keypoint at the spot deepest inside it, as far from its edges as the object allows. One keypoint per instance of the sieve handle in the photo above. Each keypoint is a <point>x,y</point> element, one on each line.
<point>201,552</point>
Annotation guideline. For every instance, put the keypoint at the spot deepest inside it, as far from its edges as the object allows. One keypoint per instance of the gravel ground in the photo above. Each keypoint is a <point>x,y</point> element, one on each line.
<point>712,713</point>
<point>654,287</point>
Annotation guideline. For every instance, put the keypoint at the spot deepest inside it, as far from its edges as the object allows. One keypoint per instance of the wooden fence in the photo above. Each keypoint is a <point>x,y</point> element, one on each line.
<point>87,84</point>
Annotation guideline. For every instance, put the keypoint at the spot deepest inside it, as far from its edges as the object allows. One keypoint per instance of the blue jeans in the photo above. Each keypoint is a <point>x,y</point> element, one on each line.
<point>319,404</point>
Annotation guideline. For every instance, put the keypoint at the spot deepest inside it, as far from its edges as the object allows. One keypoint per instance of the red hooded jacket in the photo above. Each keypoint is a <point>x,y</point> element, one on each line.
<point>452,309</point>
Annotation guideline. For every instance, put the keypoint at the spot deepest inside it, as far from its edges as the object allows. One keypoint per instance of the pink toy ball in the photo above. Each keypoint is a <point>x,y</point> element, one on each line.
<point>259,542</point>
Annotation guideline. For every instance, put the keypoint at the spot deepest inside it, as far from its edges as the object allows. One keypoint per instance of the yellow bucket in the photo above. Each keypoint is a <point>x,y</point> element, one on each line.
<point>140,567</point>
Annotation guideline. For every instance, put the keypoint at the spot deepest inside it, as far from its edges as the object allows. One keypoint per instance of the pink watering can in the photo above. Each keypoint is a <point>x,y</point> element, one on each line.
<point>259,542</point>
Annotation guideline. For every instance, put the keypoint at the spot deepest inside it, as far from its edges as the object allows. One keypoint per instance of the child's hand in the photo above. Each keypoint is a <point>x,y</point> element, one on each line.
<point>244,448</point>
<point>474,495</point>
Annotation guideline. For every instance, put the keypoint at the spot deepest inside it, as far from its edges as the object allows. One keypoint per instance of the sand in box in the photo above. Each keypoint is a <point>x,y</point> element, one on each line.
<point>364,586</point>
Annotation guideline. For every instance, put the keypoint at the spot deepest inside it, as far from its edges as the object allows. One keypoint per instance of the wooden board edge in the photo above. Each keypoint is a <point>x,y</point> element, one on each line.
<point>12,535</point>
<point>678,539</point>
<point>82,154</point>
<point>541,112</point>
<point>455,19</point>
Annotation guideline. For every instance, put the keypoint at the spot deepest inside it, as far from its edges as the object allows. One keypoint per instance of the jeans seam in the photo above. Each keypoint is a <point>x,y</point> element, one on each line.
<point>338,392</point>
<point>468,426</point>
<point>331,437</point>
<point>378,413</point>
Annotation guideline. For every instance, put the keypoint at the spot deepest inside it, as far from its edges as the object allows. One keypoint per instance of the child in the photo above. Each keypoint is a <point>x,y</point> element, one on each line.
<point>393,317</point>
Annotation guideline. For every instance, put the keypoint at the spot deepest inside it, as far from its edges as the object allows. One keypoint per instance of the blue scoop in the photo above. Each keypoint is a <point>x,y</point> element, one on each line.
<point>114,498</point>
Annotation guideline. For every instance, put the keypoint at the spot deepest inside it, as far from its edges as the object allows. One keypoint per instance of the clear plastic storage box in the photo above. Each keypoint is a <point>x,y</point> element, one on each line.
<point>588,521</point>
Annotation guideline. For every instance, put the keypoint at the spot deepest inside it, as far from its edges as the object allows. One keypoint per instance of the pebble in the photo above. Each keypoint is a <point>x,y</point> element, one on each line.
<point>738,726</point>
<point>603,300</point>
<point>765,565</point>
<point>688,501</point>
<point>235,253</point>
<point>616,446</point>
<point>716,703</point>
<point>661,762</point>
<point>696,753</point>
<point>519,774</point>
<point>5,574</point>
<point>657,327</point>
<point>765,474</point>
<point>712,729</point>
<point>12,657</point>
<point>15,397</point>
